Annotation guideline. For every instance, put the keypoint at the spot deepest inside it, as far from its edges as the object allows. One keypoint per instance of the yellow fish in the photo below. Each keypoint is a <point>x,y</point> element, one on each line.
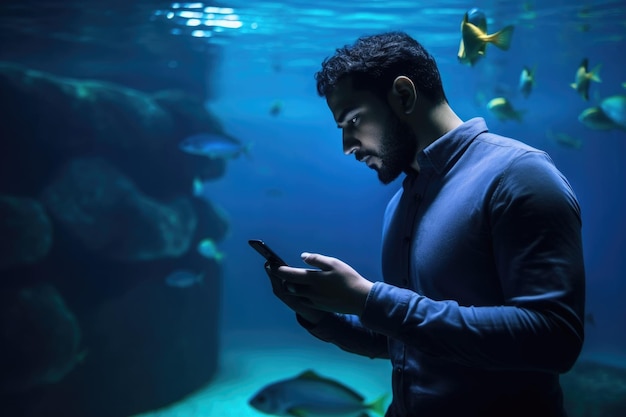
<point>475,39</point>
<point>503,109</point>
<point>584,78</point>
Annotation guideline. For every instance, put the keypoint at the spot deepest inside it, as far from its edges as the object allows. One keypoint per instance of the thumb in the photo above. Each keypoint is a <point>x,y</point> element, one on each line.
<point>315,259</point>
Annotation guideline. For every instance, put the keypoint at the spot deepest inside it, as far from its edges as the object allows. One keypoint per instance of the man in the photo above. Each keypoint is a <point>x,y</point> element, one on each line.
<point>482,303</point>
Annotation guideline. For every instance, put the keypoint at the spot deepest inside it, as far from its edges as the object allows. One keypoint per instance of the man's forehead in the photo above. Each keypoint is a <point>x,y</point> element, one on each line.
<point>344,98</point>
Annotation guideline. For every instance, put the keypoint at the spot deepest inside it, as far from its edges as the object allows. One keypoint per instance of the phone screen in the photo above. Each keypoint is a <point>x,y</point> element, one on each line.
<point>266,252</point>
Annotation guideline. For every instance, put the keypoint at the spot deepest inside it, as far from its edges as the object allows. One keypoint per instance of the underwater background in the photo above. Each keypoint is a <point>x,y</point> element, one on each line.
<point>127,286</point>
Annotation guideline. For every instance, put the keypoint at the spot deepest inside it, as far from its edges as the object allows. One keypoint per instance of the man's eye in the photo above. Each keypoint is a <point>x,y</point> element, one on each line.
<point>354,120</point>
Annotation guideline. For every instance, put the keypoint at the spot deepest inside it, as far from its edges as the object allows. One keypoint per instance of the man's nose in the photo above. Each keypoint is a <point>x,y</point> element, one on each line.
<point>350,144</point>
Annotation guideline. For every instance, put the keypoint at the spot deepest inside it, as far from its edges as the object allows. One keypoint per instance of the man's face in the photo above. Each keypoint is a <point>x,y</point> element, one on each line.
<point>372,132</point>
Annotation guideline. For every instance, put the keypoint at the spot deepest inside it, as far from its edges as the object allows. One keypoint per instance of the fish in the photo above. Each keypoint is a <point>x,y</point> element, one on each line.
<point>595,118</point>
<point>565,140</point>
<point>214,146</point>
<point>614,107</point>
<point>503,109</point>
<point>476,17</point>
<point>474,38</point>
<point>208,249</point>
<point>276,108</point>
<point>197,187</point>
<point>311,395</point>
<point>584,77</point>
<point>526,81</point>
<point>183,278</point>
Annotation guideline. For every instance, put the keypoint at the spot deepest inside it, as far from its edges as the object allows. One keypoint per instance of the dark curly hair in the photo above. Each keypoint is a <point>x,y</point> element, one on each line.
<point>374,62</point>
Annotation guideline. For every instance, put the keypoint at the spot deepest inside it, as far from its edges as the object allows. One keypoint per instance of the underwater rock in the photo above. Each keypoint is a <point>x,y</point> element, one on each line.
<point>592,389</point>
<point>48,120</point>
<point>83,113</point>
<point>39,338</point>
<point>105,212</point>
<point>25,231</point>
<point>148,348</point>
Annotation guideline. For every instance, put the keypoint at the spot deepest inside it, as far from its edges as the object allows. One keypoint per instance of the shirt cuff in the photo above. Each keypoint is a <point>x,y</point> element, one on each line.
<point>386,308</point>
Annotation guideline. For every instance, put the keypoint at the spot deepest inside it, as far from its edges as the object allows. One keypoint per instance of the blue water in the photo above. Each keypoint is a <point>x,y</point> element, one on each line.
<point>332,205</point>
<point>298,192</point>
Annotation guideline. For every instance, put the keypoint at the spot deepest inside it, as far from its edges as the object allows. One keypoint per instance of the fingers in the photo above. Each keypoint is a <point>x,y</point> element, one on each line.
<point>322,262</point>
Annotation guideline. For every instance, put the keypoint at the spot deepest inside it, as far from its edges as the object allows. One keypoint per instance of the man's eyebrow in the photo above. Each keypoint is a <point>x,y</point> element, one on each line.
<point>344,115</point>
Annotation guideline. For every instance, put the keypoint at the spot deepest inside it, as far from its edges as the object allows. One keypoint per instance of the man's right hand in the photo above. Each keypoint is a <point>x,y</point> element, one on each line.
<point>311,315</point>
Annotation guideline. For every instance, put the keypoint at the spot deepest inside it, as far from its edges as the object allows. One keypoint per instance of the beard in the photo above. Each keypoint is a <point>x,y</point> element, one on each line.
<point>397,150</point>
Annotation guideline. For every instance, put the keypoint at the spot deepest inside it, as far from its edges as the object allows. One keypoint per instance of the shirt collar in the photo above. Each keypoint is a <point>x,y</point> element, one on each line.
<point>444,151</point>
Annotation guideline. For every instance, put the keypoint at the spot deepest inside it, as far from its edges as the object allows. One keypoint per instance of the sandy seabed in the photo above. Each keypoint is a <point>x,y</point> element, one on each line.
<point>251,360</point>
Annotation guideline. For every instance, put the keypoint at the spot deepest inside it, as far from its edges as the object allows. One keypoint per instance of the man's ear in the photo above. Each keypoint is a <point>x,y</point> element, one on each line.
<point>403,95</point>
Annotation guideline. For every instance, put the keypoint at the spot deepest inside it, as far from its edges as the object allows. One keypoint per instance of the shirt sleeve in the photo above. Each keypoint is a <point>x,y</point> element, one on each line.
<point>537,246</point>
<point>347,332</point>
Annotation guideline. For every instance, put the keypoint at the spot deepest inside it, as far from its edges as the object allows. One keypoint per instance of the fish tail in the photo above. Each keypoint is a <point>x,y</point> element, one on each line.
<point>502,38</point>
<point>378,406</point>
<point>246,149</point>
<point>519,115</point>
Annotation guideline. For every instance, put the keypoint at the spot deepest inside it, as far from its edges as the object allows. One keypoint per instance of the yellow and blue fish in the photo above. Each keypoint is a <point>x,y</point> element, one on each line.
<point>474,37</point>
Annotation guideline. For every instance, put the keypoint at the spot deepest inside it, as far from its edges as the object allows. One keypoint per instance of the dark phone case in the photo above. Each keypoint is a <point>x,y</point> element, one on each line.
<point>266,252</point>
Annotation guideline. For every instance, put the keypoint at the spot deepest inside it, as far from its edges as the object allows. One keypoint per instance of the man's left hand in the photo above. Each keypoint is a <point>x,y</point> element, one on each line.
<point>335,287</point>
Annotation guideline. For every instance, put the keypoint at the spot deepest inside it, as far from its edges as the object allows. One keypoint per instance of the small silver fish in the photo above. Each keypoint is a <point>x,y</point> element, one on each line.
<point>526,81</point>
<point>208,249</point>
<point>214,146</point>
<point>182,278</point>
<point>310,395</point>
<point>563,139</point>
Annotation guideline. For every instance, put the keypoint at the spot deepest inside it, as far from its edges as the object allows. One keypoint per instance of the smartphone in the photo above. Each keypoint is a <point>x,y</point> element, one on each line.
<point>266,252</point>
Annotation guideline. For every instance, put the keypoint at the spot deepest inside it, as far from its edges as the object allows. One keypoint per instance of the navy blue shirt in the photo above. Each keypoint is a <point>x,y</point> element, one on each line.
<point>482,303</point>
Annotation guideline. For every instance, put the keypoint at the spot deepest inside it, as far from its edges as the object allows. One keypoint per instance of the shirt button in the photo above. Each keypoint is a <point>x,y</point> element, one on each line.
<point>398,370</point>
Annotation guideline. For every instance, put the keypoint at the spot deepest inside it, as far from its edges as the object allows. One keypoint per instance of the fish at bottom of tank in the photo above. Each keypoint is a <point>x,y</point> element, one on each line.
<point>311,395</point>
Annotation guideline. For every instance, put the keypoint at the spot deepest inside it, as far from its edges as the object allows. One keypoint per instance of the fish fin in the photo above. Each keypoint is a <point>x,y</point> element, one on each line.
<point>594,75</point>
<point>574,86</point>
<point>197,187</point>
<point>461,53</point>
<point>584,64</point>
<point>502,38</point>
<point>312,375</point>
<point>378,406</point>
<point>297,412</point>
<point>246,149</point>
<point>309,374</point>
